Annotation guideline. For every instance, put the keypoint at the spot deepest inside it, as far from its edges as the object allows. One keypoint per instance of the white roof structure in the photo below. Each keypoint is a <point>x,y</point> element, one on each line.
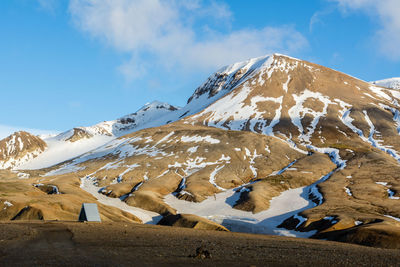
<point>89,213</point>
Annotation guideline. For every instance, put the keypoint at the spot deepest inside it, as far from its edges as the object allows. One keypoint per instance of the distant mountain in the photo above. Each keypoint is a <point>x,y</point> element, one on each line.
<point>19,148</point>
<point>143,118</point>
<point>393,83</point>
<point>79,140</point>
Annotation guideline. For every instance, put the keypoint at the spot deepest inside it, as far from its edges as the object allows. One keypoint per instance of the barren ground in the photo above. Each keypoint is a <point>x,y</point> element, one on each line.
<point>119,244</point>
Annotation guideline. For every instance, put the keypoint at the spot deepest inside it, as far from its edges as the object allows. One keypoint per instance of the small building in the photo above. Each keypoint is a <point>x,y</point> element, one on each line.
<point>89,213</point>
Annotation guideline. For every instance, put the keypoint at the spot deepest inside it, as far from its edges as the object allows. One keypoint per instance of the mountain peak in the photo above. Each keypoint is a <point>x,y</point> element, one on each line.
<point>18,148</point>
<point>154,105</point>
<point>246,64</point>
<point>228,77</point>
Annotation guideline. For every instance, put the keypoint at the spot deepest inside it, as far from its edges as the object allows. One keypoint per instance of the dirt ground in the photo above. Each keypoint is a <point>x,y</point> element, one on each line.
<point>120,244</point>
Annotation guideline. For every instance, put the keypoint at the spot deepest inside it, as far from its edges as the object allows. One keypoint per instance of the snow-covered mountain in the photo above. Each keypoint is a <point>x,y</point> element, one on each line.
<point>18,148</point>
<point>270,145</point>
<point>393,83</point>
<point>143,118</point>
<point>79,140</point>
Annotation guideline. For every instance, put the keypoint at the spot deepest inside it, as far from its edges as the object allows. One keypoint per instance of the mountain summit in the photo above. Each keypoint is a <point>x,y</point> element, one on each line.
<point>19,148</point>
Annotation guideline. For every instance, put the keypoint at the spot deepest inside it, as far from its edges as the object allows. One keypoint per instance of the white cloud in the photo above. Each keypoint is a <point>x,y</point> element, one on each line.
<point>174,33</point>
<point>387,13</point>
<point>6,130</point>
<point>316,18</point>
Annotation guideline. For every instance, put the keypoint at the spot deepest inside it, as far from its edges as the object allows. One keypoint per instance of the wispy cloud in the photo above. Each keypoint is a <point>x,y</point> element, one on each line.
<point>74,104</point>
<point>49,6</point>
<point>386,13</point>
<point>317,17</point>
<point>177,33</point>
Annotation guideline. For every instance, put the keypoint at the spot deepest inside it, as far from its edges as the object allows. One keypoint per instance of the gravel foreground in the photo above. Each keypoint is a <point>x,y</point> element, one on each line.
<point>124,244</point>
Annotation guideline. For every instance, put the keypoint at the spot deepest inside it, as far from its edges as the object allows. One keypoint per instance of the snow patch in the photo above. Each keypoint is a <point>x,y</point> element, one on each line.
<point>218,208</point>
<point>8,203</point>
<point>298,111</point>
<point>348,191</point>
<point>196,139</point>
<point>212,177</point>
<point>392,217</point>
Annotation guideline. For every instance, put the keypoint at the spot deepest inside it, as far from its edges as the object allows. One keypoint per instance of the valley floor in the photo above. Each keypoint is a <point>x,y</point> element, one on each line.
<point>110,243</point>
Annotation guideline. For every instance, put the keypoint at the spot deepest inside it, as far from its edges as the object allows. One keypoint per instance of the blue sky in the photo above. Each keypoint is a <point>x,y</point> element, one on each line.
<point>76,63</point>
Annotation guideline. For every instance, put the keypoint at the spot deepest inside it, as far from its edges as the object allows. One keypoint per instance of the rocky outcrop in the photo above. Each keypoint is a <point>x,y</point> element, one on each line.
<point>78,134</point>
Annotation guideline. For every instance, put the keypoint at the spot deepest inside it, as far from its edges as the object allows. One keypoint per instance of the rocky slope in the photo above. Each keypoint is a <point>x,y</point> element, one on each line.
<point>193,162</point>
<point>270,145</point>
